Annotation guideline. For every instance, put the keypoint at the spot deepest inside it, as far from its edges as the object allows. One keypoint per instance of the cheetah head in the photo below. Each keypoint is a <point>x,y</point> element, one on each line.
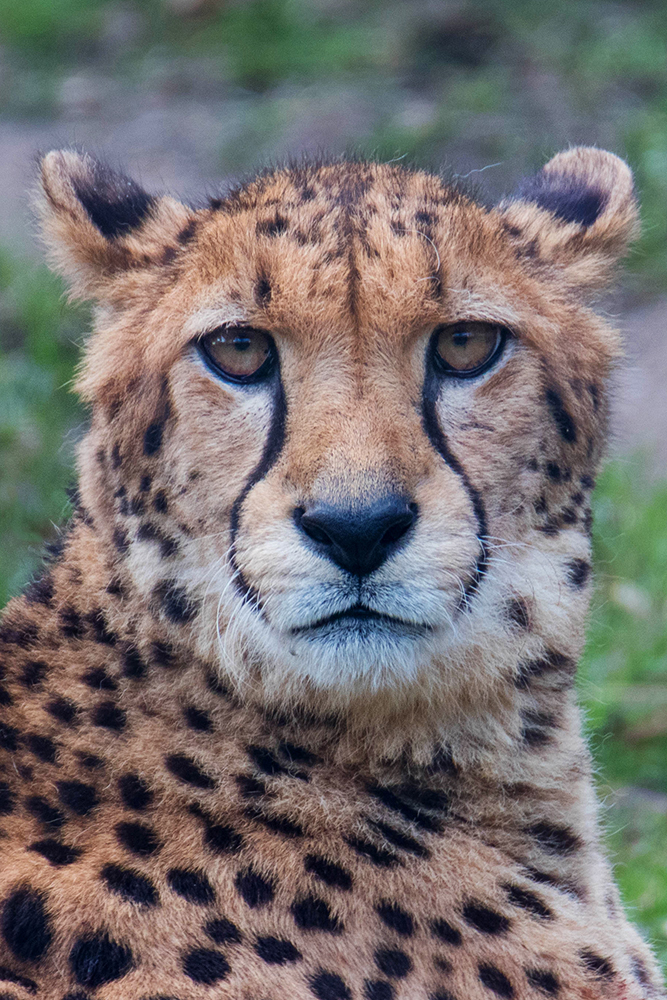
<point>345,419</point>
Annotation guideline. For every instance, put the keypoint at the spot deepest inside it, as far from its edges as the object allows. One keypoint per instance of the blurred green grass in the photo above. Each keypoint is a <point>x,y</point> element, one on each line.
<point>623,677</point>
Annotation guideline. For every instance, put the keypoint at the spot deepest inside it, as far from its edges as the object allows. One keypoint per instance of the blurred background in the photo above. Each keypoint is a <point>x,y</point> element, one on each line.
<point>186,94</point>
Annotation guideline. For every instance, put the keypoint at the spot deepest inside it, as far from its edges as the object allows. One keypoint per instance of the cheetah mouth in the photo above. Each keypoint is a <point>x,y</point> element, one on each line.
<point>362,620</point>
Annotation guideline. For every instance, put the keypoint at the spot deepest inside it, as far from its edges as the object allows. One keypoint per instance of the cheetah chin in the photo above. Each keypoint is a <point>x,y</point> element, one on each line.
<point>290,712</point>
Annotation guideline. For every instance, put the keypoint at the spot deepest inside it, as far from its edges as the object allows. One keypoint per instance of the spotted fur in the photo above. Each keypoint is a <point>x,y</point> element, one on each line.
<point>200,797</point>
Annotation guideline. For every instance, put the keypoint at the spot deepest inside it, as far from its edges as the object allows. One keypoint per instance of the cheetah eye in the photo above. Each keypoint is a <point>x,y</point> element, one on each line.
<point>238,353</point>
<point>466,349</point>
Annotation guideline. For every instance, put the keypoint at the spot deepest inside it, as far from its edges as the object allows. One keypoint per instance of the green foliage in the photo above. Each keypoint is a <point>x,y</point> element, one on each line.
<point>38,415</point>
<point>623,682</point>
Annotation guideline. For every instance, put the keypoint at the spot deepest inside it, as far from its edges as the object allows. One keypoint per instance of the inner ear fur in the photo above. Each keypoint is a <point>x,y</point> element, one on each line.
<point>579,213</point>
<point>98,223</point>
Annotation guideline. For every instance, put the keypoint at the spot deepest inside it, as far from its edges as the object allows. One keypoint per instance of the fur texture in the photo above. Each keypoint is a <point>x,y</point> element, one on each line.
<point>204,793</point>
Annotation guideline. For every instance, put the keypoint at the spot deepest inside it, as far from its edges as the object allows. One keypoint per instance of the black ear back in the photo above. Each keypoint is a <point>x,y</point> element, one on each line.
<point>114,203</point>
<point>567,196</point>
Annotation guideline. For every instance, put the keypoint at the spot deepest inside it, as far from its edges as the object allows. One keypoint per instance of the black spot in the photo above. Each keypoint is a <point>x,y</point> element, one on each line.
<point>553,471</point>
<point>277,824</point>
<point>265,760</point>
<point>134,791</point>
<point>223,931</point>
<point>555,839</point>
<point>97,959</point>
<point>90,761</point>
<point>160,502</point>
<point>42,747</point>
<point>7,801</point>
<point>114,202</point>
<point>153,438</point>
<point>121,540</point>
<point>527,900</point>
<point>191,885</point>
<point>393,916</point>
<point>276,951</point>
<point>185,769</point>
<point>130,884</point>
<point>543,980</point>
<point>517,612</point>
<point>329,986</point>
<point>250,787</point>
<point>146,483</point>
<point>496,981</point>
<point>253,888</point>
<point>100,628</point>
<point>298,755</point>
<point>443,762</point>
<point>133,665</point>
<point>378,989</point>
<point>272,227</point>
<point>197,719</point>
<point>394,800</point>
<point>33,673</point>
<point>9,737</point>
<point>445,932</point>
<point>77,796</point>
<point>174,601</point>
<point>263,291</point>
<point>187,232</point>
<point>596,964</point>
<point>109,716</point>
<point>219,837</point>
<point>39,591</point>
<point>377,855</point>
<point>578,571</point>
<point>138,838</point>
<point>5,697</point>
<point>550,663</point>
<point>313,914</point>
<point>7,976</point>
<point>402,840</point>
<point>562,418</point>
<point>20,632</point>
<point>25,924</point>
<point>203,965</point>
<point>568,198</point>
<point>483,919</point>
<point>331,874</point>
<point>162,653</point>
<point>587,482</point>
<point>394,963</point>
<point>55,852</point>
<point>99,678</point>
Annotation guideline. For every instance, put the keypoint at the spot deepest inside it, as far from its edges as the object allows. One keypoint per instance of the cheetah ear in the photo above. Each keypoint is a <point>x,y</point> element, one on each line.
<point>98,223</point>
<point>578,213</point>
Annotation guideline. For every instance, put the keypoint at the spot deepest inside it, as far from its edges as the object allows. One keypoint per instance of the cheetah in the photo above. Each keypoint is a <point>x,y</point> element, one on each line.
<point>289,713</point>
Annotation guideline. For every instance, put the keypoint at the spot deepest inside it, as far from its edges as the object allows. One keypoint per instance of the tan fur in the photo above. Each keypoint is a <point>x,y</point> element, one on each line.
<point>377,819</point>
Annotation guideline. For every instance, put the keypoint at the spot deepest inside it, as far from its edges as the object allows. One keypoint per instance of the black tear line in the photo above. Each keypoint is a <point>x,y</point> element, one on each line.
<point>439,441</point>
<point>270,455</point>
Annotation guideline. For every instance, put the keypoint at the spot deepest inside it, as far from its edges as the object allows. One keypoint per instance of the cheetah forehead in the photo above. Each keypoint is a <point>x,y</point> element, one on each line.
<point>331,247</point>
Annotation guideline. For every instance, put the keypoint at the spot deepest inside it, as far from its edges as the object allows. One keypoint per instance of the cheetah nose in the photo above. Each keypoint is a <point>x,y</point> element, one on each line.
<point>357,538</point>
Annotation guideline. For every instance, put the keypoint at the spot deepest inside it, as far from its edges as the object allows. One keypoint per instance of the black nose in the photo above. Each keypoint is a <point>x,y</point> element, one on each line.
<point>357,538</point>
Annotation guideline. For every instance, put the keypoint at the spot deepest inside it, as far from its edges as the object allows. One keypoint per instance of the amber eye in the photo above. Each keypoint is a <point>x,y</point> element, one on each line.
<point>466,349</point>
<point>239,352</point>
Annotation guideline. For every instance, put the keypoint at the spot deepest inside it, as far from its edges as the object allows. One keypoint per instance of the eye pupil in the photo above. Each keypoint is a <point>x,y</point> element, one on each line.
<point>241,343</point>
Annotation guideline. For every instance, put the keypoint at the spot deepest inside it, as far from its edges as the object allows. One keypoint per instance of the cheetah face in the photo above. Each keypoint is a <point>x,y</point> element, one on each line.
<point>345,420</point>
